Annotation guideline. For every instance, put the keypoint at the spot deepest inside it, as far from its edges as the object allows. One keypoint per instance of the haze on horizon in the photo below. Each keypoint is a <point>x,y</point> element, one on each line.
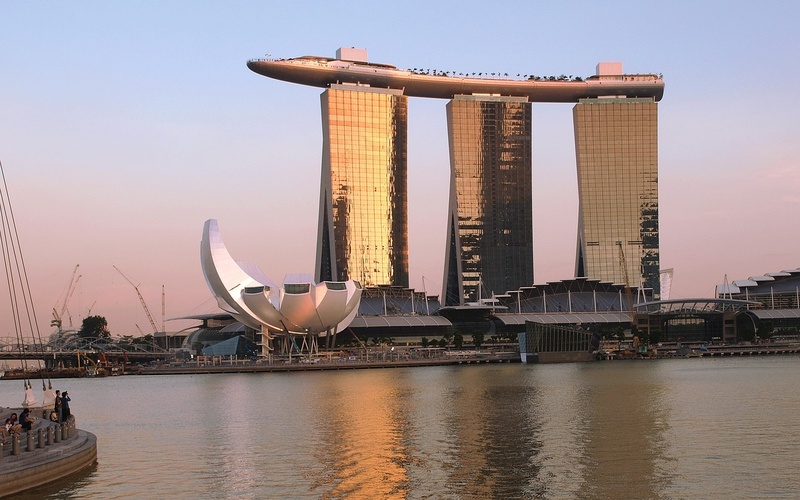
<point>125,126</point>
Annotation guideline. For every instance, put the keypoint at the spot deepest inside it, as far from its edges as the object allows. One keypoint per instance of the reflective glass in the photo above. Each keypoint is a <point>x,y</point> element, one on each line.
<point>364,186</point>
<point>490,160</point>
<point>617,160</point>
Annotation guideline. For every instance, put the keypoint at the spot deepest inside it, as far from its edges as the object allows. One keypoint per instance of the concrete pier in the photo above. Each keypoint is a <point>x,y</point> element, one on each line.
<point>32,459</point>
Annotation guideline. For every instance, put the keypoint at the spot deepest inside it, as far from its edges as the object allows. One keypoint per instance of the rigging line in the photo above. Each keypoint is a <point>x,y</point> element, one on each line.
<point>27,296</point>
<point>30,307</point>
<point>10,281</point>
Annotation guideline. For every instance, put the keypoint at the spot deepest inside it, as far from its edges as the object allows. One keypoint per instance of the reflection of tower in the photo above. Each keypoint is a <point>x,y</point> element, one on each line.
<point>490,218</point>
<point>616,147</point>
<point>363,229</point>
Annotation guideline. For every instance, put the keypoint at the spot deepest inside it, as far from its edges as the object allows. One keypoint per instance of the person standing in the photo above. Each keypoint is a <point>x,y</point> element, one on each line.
<point>65,406</point>
<point>58,406</point>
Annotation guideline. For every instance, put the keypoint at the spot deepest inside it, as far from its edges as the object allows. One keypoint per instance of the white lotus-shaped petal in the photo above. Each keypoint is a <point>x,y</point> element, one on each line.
<point>299,306</point>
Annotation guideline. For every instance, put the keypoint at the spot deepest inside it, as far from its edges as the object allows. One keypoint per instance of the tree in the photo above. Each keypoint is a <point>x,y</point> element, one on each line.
<point>643,335</point>
<point>147,340</point>
<point>655,337</point>
<point>766,329</point>
<point>126,340</point>
<point>477,339</point>
<point>510,336</point>
<point>424,341</point>
<point>95,327</point>
<point>620,337</point>
<point>447,338</point>
<point>458,340</point>
<point>747,333</point>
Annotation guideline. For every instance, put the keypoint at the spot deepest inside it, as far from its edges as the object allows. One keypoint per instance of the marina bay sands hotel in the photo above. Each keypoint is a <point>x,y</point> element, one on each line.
<point>363,224</point>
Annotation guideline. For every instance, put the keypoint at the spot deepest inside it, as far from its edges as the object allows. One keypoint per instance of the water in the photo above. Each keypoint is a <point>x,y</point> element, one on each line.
<point>694,428</point>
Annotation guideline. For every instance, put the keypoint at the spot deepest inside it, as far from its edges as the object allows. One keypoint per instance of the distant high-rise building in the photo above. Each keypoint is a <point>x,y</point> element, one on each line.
<point>490,217</point>
<point>666,283</point>
<point>616,144</point>
<point>363,224</point>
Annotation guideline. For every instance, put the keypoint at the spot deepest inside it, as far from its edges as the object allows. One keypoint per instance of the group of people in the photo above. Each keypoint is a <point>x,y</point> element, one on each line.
<point>61,410</point>
<point>14,425</point>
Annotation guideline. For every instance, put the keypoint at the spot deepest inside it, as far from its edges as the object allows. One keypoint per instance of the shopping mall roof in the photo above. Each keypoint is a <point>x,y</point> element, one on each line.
<point>696,306</point>
<point>783,280</point>
<point>404,321</point>
<point>770,314</point>
<point>565,318</point>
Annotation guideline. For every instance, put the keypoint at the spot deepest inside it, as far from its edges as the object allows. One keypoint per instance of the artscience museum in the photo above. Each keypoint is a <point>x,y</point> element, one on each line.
<point>291,316</point>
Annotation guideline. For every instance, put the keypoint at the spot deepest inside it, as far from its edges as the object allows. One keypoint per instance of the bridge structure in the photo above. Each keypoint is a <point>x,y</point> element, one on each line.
<point>73,351</point>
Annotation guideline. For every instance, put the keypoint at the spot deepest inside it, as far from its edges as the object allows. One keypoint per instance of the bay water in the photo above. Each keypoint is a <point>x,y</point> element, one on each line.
<point>678,428</point>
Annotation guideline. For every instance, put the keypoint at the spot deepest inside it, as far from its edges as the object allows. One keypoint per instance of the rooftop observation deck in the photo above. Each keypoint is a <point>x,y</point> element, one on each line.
<point>323,72</point>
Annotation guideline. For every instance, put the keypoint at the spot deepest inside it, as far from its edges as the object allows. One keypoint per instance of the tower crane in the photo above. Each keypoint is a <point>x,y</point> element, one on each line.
<point>628,296</point>
<point>141,299</point>
<point>58,314</point>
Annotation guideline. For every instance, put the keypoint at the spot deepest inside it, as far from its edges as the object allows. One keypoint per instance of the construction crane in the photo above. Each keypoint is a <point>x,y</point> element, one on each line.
<point>58,314</point>
<point>141,299</point>
<point>628,295</point>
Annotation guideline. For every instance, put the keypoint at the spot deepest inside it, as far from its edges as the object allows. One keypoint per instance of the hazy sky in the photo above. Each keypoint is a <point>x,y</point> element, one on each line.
<point>125,125</point>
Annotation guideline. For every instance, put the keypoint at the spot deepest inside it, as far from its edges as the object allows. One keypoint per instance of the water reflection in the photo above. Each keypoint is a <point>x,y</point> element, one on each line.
<point>362,427</point>
<point>671,429</point>
<point>625,447</point>
<point>471,434</point>
<point>64,489</point>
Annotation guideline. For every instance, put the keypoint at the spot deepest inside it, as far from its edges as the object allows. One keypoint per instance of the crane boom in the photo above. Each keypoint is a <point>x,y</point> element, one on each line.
<point>58,314</point>
<point>69,296</point>
<point>141,299</point>
<point>628,295</point>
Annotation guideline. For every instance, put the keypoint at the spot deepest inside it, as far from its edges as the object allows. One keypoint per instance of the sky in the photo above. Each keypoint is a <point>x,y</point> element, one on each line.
<point>125,125</point>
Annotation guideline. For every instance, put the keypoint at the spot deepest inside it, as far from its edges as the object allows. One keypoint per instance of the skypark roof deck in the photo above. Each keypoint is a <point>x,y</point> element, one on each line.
<point>322,72</point>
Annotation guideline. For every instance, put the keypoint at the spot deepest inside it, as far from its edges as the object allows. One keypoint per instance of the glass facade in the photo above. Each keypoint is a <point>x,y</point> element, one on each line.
<point>616,144</point>
<point>363,228</point>
<point>490,223</point>
<point>556,338</point>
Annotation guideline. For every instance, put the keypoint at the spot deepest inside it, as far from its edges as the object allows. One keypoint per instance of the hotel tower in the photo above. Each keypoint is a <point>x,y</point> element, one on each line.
<point>363,228</point>
<point>616,149</point>
<point>363,233</point>
<point>490,217</point>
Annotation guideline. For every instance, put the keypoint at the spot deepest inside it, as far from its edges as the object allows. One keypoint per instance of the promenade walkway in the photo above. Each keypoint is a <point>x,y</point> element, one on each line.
<point>210,365</point>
